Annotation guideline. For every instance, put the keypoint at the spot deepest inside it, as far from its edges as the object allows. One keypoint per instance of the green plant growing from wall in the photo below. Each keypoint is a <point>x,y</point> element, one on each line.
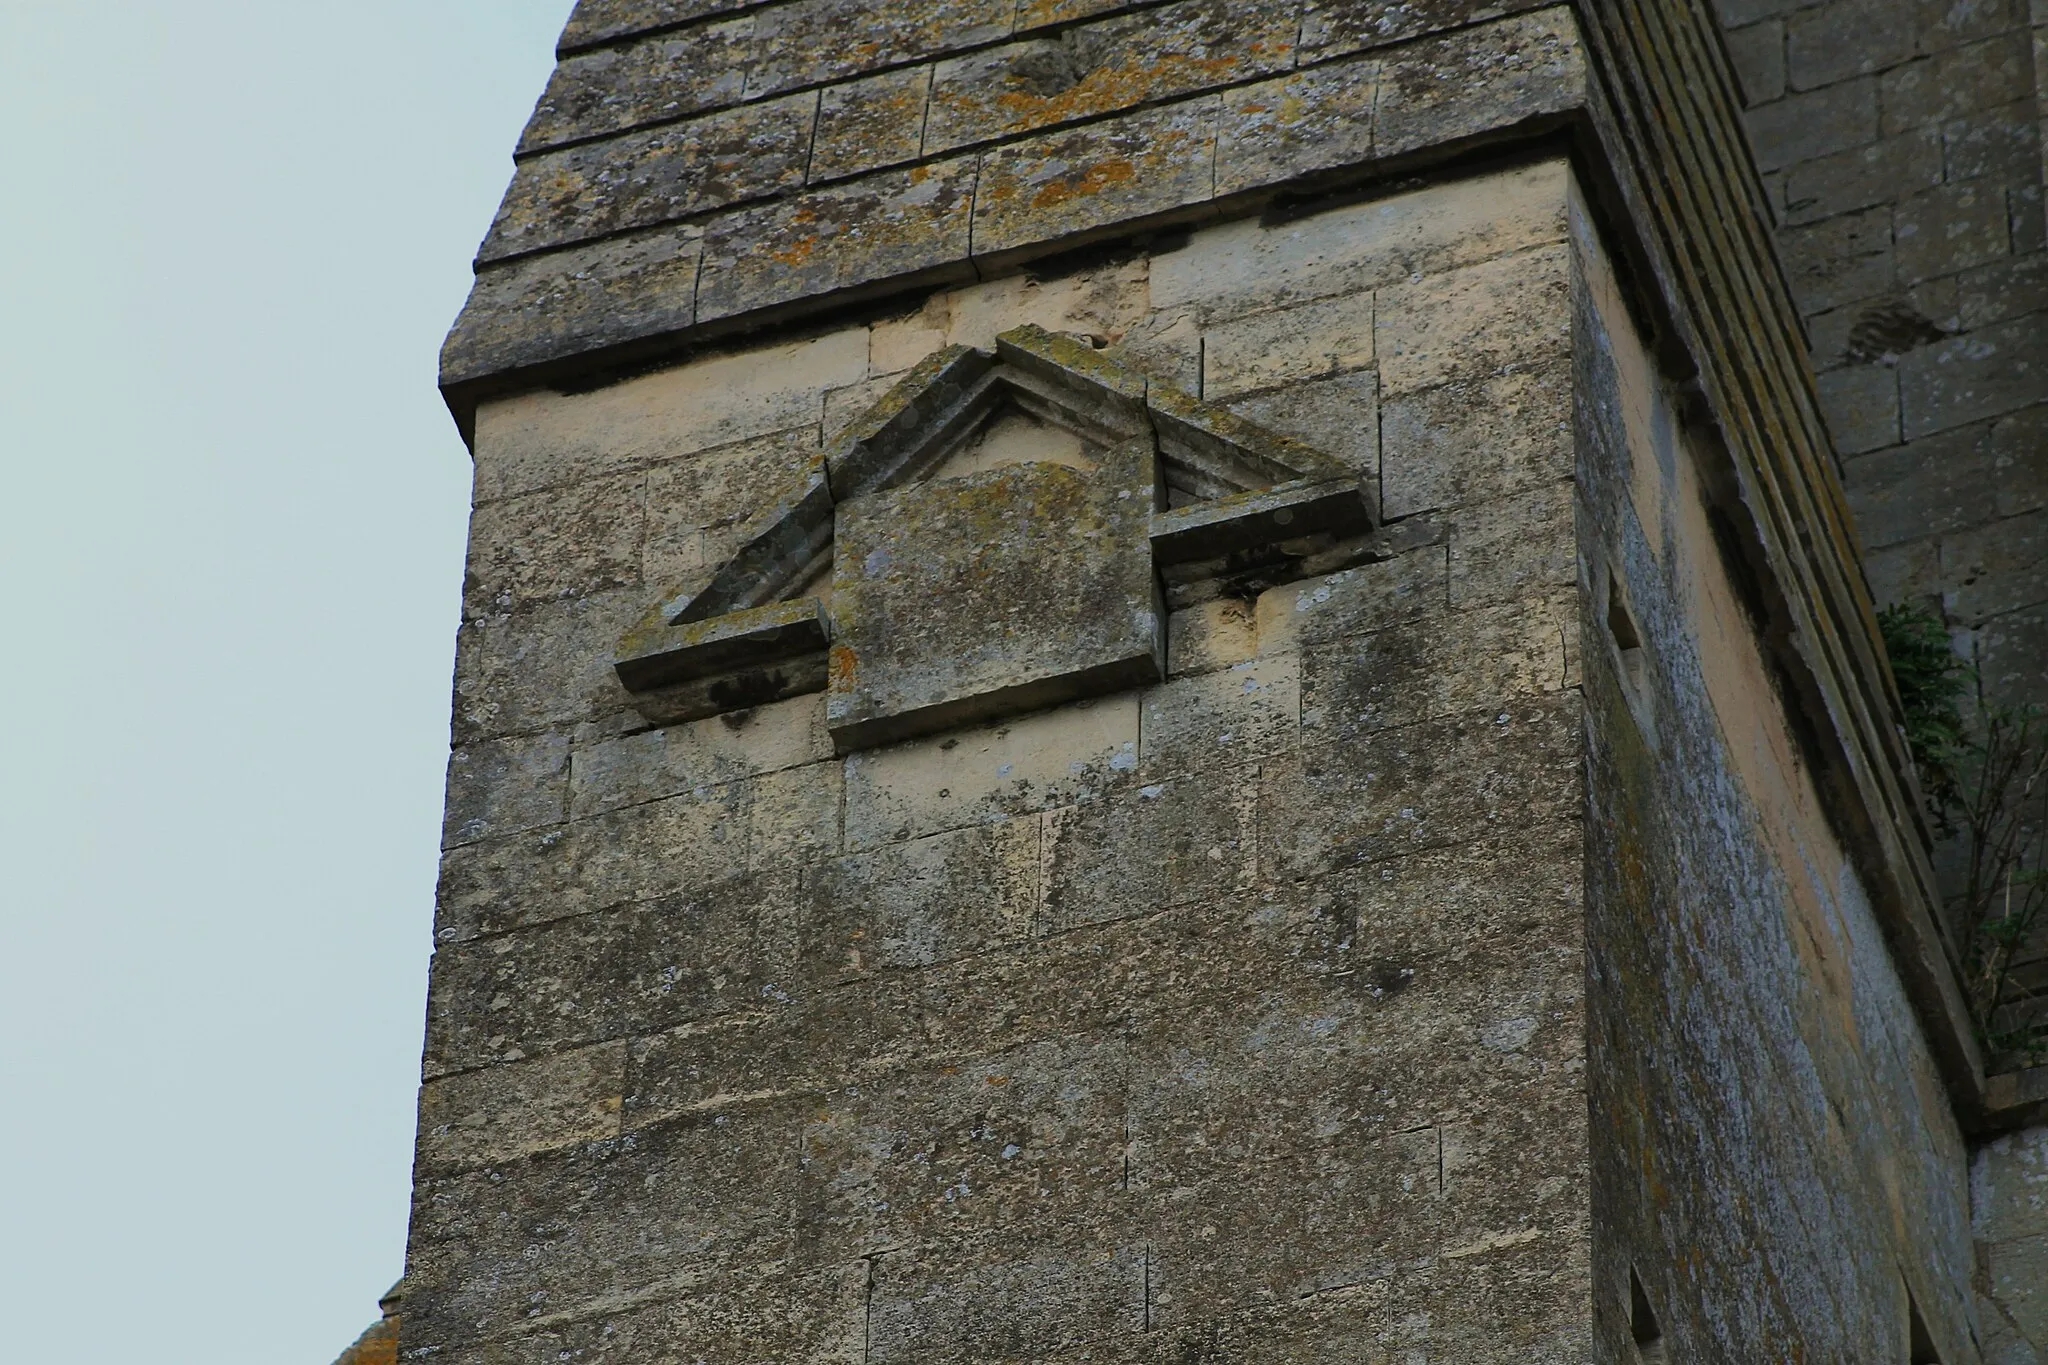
<point>1983,768</point>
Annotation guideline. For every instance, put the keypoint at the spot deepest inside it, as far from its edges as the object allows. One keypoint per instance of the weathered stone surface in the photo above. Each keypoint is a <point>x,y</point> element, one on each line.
<point>1936,484</point>
<point>992,592</point>
<point>1814,124</point>
<point>505,1112</point>
<point>1863,176</point>
<point>1985,373</point>
<point>1949,229</point>
<point>1262,350</point>
<point>1474,439</point>
<point>1354,602</point>
<point>894,223</point>
<point>1243,267</point>
<point>504,786</point>
<point>1054,1295</point>
<point>1306,121</point>
<point>919,902</point>
<point>1197,830</point>
<point>591,296</point>
<point>1862,407</point>
<point>662,847</point>
<point>667,76</point>
<point>1331,28</point>
<point>602,21</point>
<point>1339,416</point>
<point>1514,547</point>
<point>1990,570</point>
<point>1228,716</point>
<point>540,668</point>
<point>1482,79</point>
<point>1468,322</point>
<point>1063,183</point>
<point>870,123</point>
<point>653,764</point>
<point>1178,49</point>
<point>812,41</point>
<point>999,771</point>
<point>639,179</point>
<point>526,994</point>
<point>568,542</point>
<point>1450,665</point>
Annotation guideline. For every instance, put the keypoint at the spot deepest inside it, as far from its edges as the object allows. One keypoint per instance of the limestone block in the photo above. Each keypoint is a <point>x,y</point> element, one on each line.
<point>697,504</point>
<point>1487,77</point>
<point>1104,302</point>
<point>543,547</point>
<point>1242,1234</point>
<point>602,21</point>
<point>870,123</point>
<point>1209,636</point>
<point>504,786</point>
<point>1959,81</point>
<point>505,1112</point>
<point>1042,13</point>
<point>829,1038</point>
<point>1997,568</point>
<point>919,902</point>
<point>657,176</point>
<point>1943,482</point>
<point>1177,49</point>
<point>813,41</point>
<point>1986,373</point>
<point>1330,28</point>
<point>544,438</point>
<point>544,667</point>
<point>1472,321</point>
<point>1018,767</point>
<point>527,993</point>
<point>1298,123</point>
<point>664,76</point>
<point>587,296</point>
<point>708,950</point>
<point>1001,590</point>
<point>2021,474</point>
<point>1368,598</point>
<point>658,763</point>
<point>1037,1299</point>
<point>1814,123</point>
<point>1513,547</point>
<point>1863,176</point>
<point>1246,266</point>
<point>662,847</point>
<point>793,816</point>
<point>1339,416</point>
<point>1949,229</point>
<point>895,344</point>
<point>602,1225</point>
<point>1461,662</point>
<point>1476,439</point>
<point>1243,711</point>
<point>1197,836</point>
<point>840,237</point>
<point>1063,183</point>
<point>494,885</point>
<point>1430,785</point>
<point>1167,346</point>
<point>1262,350</point>
<point>2009,1187</point>
<point>964,1155</point>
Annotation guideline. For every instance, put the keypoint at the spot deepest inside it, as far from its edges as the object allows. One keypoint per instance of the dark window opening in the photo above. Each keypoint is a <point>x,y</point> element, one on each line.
<point>1920,1350</point>
<point>1642,1321</point>
<point>1628,641</point>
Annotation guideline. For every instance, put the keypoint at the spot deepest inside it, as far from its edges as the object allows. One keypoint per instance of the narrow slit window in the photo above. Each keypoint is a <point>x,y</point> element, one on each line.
<point>1642,1321</point>
<point>1628,641</point>
<point>1920,1349</point>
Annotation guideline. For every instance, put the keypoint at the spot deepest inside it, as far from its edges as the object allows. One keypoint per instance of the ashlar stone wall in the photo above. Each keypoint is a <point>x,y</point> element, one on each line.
<point>1776,1161</point>
<point>1239,1017</point>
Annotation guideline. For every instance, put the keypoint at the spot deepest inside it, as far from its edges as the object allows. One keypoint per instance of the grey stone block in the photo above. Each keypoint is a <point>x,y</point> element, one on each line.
<point>2019,453</point>
<point>1959,81</point>
<point>1053,1297</point>
<point>1813,124</point>
<point>1984,373</point>
<point>1851,180</point>
<point>1840,260</point>
<point>496,885</point>
<point>1063,183</point>
<point>1100,68</point>
<point>1295,124</point>
<point>1861,403</point>
<point>514,1110</point>
<point>1452,664</point>
<point>544,667</point>
<point>1475,439</point>
<point>1758,52</point>
<point>1354,602</point>
<point>2001,144</point>
<point>1991,570</point>
<point>1846,38</point>
<point>837,238</point>
<point>870,123</point>
<point>1331,28</point>
<point>1937,484</point>
<point>665,76</point>
<point>503,786</point>
<point>1339,417</point>
<point>526,994</point>
<point>1948,230</point>
<point>1513,547</point>
<point>1486,77</point>
<point>568,542</point>
<point>811,42</point>
<point>584,297</point>
<point>992,592</point>
<point>593,22</point>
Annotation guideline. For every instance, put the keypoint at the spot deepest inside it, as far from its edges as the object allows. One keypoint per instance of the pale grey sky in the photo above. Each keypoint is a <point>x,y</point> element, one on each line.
<point>231,517</point>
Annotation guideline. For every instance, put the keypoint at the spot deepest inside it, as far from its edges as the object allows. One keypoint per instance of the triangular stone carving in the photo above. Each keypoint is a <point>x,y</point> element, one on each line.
<point>988,539</point>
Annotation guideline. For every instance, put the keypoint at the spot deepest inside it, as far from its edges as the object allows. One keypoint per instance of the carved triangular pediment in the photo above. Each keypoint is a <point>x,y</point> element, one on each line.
<point>1206,484</point>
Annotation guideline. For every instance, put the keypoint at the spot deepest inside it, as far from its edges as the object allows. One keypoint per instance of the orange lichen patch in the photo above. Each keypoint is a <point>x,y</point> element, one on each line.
<point>378,1346</point>
<point>1094,180</point>
<point>842,666</point>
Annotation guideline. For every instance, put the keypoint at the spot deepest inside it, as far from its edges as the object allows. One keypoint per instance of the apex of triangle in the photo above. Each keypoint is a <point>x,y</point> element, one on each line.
<point>1004,530</point>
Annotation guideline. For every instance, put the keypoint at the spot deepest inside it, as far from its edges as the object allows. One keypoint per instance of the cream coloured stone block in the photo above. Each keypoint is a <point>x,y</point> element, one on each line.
<point>1030,764</point>
<point>793,816</point>
<point>629,769</point>
<point>714,489</point>
<point>1262,350</point>
<point>1247,266</point>
<point>1512,311</point>
<point>1106,302</point>
<point>502,1113</point>
<point>1354,602</point>
<point>544,438</point>
<point>1235,713</point>
<point>1211,635</point>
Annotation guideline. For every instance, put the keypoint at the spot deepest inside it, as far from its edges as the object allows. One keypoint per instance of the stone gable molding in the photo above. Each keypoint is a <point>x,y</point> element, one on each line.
<point>924,580</point>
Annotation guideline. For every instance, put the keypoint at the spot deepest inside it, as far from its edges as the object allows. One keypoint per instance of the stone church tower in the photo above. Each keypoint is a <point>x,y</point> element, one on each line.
<point>1198,681</point>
